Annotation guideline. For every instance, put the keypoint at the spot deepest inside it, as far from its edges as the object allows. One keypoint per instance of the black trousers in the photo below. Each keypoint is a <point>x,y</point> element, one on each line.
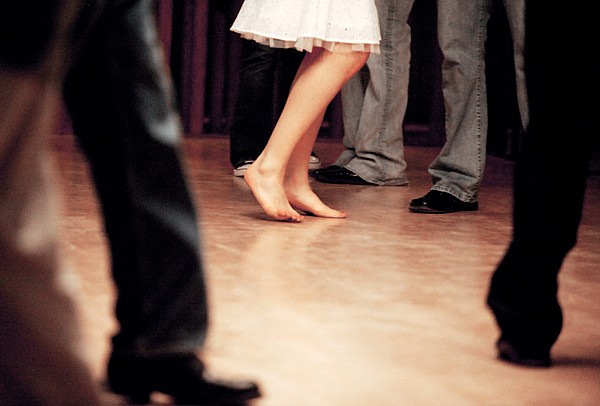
<point>550,174</point>
<point>122,109</point>
<point>266,75</point>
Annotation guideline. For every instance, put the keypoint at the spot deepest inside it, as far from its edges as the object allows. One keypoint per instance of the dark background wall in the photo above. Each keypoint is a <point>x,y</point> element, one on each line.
<point>204,59</point>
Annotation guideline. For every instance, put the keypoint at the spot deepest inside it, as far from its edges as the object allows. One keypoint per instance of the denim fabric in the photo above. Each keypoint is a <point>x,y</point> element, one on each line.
<point>462,33</point>
<point>515,11</point>
<point>123,114</point>
<point>374,103</point>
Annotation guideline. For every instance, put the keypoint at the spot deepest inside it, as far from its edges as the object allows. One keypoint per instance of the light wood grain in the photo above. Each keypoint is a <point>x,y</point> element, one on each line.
<point>383,308</point>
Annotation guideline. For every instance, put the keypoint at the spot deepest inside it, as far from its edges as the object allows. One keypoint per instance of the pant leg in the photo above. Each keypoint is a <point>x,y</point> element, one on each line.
<point>253,118</point>
<point>122,108</point>
<point>374,103</point>
<point>550,175</point>
<point>462,32</point>
<point>289,61</point>
<point>515,12</point>
<point>41,352</point>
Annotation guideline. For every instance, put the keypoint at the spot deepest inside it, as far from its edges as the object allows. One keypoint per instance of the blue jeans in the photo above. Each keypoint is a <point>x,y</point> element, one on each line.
<point>374,103</point>
<point>462,33</point>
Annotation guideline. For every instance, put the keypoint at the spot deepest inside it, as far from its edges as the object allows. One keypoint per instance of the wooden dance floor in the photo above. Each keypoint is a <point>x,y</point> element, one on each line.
<point>384,308</point>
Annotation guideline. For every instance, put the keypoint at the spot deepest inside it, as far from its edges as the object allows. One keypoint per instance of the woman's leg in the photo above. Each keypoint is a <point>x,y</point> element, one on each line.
<point>281,170</point>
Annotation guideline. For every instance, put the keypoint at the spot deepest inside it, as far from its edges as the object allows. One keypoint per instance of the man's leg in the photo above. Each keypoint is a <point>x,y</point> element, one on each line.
<point>515,13</point>
<point>457,171</point>
<point>253,119</point>
<point>123,113</point>
<point>550,182</point>
<point>374,103</point>
<point>41,352</point>
<point>462,31</point>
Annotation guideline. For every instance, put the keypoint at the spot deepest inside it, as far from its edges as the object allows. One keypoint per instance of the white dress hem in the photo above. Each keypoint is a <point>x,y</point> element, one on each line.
<point>308,43</point>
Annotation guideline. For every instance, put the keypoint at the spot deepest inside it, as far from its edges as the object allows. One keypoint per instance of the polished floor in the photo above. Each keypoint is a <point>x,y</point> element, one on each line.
<point>383,308</point>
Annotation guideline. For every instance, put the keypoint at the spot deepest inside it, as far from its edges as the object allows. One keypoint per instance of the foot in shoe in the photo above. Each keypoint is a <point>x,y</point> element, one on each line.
<point>339,175</point>
<point>436,202</point>
<point>314,162</point>
<point>509,353</point>
<point>241,168</point>
<point>182,377</point>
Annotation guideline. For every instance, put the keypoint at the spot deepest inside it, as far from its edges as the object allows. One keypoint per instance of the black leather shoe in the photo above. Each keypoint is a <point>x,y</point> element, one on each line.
<point>437,202</point>
<point>337,174</point>
<point>182,377</point>
<point>509,353</point>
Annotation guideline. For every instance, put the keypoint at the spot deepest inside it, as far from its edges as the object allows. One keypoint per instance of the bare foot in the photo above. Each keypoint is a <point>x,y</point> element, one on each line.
<point>302,197</point>
<point>268,192</point>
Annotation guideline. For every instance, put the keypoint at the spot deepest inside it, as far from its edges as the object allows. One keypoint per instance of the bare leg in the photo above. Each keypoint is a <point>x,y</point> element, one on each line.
<point>296,184</point>
<point>281,171</point>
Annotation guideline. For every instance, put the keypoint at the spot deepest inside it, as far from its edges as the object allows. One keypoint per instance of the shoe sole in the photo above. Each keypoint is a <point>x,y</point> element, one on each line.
<point>426,210</point>
<point>507,353</point>
<point>337,182</point>
<point>142,397</point>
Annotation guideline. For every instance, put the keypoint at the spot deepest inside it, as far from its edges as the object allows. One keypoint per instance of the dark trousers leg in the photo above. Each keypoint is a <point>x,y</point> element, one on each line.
<point>257,103</point>
<point>550,180</point>
<point>42,354</point>
<point>122,110</point>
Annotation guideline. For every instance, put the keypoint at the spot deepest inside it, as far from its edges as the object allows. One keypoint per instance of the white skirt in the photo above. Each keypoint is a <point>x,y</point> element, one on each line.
<point>336,25</point>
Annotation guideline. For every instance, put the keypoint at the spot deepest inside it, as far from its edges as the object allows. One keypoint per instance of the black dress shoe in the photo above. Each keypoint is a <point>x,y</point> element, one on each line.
<point>509,353</point>
<point>437,202</point>
<point>182,377</point>
<point>337,174</point>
